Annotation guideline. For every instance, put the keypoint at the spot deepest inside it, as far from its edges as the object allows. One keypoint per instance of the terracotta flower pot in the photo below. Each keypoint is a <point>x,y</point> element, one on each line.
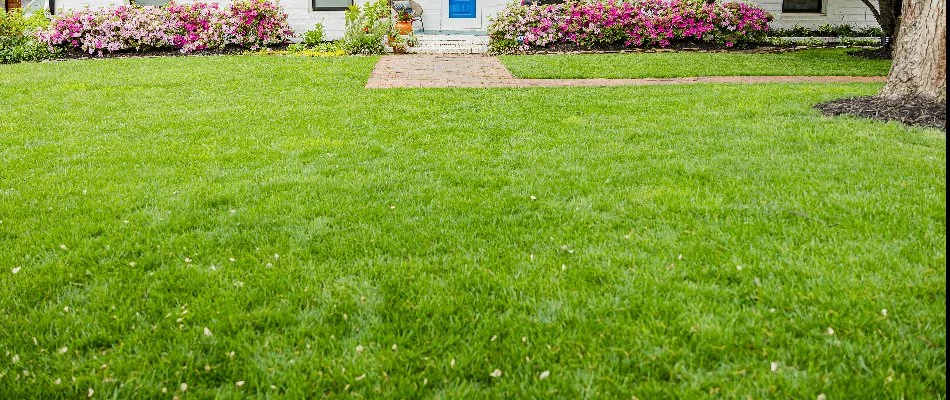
<point>404,27</point>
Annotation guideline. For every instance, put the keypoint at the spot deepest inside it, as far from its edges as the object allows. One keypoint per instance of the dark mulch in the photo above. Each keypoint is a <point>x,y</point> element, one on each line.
<point>879,53</point>
<point>619,47</point>
<point>703,47</point>
<point>910,111</point>
<point>74,54</point>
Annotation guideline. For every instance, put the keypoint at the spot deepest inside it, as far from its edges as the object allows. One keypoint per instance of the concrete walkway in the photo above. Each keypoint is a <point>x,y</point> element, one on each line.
<point>481,71</point>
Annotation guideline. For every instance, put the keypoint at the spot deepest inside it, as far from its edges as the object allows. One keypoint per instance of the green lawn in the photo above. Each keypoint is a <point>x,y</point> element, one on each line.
<point>654,242</point>
<point>815,62</point>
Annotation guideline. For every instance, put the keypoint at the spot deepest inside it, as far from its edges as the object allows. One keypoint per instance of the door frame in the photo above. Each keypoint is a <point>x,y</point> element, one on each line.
<point>461,24</point>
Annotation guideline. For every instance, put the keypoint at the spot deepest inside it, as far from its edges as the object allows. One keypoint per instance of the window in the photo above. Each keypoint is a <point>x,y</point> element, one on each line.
<point>801,6</point>
<point>331,5</point>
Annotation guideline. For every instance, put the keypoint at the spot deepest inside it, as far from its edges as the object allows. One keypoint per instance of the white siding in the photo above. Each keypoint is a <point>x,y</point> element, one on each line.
<point>836,12</point>
<point>431,15</point>
<point>302,18</point>
<point>299,13</point>
<point>63,5</point>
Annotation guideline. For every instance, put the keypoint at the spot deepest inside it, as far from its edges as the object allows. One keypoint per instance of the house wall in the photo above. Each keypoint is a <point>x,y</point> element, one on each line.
<point>302,18</point>
<point>299,13</point>
<point>836,12</point>
<point>852,12</point>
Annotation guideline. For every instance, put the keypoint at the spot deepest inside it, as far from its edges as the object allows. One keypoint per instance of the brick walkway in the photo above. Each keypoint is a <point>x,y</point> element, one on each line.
<point>481,71</point>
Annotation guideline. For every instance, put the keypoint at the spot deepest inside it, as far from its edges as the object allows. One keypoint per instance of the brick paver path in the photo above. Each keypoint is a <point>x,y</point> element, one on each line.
<point>481,71</point>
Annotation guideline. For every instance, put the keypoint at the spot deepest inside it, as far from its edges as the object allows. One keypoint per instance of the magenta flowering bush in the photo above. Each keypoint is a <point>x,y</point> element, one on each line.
<point>116,29</point>
<point>639,23</point>
<point>187,27</point>
<point>259,23</point>
<point>198,26</point>
<point>738,23</point>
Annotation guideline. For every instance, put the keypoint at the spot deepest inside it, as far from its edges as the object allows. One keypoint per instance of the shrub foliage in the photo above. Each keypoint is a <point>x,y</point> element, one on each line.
<point>366,27</point>
<point>187,27</point>
<point>641,23</point>
<point>17,43</point>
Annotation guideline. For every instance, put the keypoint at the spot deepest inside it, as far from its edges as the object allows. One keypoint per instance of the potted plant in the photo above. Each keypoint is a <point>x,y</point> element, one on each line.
<point>397,42</point>
<point>398,48</point>
<point>404,21</point>
<point>411,39</point>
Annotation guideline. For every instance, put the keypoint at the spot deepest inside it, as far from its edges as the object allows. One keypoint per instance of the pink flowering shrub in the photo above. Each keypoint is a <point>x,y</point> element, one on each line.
<point>639,23</point>
<point>738,23</point>
<point>259,23</point>
<point>198,26</point>
<point>116,29</point>
<point>187,27</point>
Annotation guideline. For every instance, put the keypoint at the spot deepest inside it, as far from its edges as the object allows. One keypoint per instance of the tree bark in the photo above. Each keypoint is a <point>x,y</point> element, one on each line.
<point>920,54</point>
<point>889,19</point>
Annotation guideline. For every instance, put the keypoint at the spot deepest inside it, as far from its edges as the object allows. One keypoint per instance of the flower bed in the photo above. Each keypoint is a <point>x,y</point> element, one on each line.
<point>187,27</point>
<point>611,24</point>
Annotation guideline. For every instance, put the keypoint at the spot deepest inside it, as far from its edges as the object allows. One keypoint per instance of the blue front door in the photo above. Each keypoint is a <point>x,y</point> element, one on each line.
<point>461,8</point>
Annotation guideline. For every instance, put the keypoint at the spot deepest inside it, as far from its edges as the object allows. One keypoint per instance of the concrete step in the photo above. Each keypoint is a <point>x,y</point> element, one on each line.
<point>447,50</point>
<point>449,44</point>
<point>453,38</point>
<point>479,38</point>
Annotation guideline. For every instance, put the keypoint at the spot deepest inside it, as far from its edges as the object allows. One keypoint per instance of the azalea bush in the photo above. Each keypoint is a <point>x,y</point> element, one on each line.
<point>641,23</point>
<point>187,27</point>
<point>197,26</point>
<point>259,23</point>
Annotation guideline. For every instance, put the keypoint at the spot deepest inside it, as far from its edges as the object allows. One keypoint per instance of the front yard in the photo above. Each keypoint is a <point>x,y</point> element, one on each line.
<point>265,226</point>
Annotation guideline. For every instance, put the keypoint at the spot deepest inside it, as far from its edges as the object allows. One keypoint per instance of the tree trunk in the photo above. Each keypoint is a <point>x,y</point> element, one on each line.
<point>920,54</point>
<point>889,18</point>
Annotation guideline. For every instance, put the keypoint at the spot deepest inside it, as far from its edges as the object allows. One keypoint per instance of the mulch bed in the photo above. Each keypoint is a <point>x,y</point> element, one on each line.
<point>74,54</point>
<point>702,47</point>
<point>912,111</point>
<point>878,53</point>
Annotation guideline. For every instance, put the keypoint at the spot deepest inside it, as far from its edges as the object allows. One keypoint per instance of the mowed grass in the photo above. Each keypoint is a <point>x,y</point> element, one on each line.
<point>813,62</point>
<point>340,242</point>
